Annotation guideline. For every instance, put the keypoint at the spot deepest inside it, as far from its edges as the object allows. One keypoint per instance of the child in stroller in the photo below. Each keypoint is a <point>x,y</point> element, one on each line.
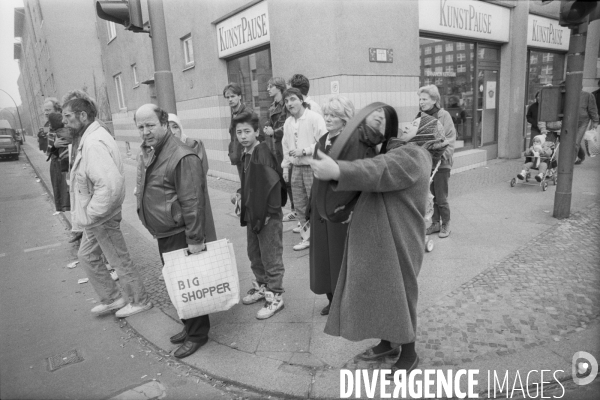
<point>537,156</point>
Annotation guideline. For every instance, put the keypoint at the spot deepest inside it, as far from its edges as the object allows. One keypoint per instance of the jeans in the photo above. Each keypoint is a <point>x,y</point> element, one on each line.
<point>62,200</point>
<point>196,328</point>
<point>301,182</point>
<point>107,238</point>
<point>439,188</point>
<point>265,251</point>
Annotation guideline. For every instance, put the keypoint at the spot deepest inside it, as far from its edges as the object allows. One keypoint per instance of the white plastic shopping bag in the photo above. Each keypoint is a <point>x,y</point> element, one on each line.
<point>202,283</point>
<point>591,142</point>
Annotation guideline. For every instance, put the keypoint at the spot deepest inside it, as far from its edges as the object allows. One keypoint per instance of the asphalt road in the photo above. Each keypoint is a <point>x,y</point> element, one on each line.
<point>45,313</point>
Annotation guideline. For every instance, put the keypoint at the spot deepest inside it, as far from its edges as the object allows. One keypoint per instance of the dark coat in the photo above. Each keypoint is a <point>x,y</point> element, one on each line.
<point>277,116</point>
<point>376,294</point>
<point>328,238</point>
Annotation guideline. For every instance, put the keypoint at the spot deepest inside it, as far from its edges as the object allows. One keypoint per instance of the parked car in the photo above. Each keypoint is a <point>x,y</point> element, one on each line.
<point>9,147</point>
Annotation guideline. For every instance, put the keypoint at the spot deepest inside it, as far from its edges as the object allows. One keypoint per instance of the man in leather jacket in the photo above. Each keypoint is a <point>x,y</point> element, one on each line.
<point>170,202</point>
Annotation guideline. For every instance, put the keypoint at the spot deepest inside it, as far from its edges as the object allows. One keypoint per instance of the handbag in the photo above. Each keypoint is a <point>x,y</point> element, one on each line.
<point>591,142</point>
<point>202,283</point>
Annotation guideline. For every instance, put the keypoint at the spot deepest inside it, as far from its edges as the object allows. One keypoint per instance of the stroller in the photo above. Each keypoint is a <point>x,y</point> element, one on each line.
<point>549,174</point>
<point>429,211</point>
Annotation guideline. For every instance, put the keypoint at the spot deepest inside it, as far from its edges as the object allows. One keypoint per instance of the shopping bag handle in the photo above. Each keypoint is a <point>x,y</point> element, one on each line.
<point>187,252</point>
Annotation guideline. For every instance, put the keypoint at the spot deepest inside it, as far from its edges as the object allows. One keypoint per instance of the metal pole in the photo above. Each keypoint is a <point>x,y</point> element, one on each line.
<point>566,153</point>
<point>18,113</point>
<point>163,77</point>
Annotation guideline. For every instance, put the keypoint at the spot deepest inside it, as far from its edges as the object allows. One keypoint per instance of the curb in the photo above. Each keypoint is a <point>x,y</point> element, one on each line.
<point>46,187</point>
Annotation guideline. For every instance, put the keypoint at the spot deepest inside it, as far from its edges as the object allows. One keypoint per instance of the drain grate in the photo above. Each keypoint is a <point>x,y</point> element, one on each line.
<point>64,359</point>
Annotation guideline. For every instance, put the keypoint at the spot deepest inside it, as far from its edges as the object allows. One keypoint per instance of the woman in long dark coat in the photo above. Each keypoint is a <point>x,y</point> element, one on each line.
<point>329,238</point>
<point>376,294</point>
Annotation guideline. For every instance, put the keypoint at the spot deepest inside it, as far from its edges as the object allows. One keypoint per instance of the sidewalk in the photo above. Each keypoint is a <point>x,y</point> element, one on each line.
<point>512,289</point>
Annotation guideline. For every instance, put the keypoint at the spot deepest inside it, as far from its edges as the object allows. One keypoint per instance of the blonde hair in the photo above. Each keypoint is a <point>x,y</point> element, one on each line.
<point>432,91</point>
<point>340,107</point>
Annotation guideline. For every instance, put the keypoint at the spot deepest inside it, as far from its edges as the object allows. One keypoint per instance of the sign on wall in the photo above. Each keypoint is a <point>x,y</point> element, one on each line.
<point>244,31</point>
<point>467,18</point>
<point>547,33</point>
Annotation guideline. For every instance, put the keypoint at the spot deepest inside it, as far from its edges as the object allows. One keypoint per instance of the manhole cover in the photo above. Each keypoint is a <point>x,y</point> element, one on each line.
<point>64,359</point>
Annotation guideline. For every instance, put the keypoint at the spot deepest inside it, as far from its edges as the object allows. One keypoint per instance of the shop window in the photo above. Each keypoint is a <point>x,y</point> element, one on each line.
<point>188,50</point>
<point>460,46</point>
<point>548,57</point>
<point>449,58</point>
<point>438,59</point>
<point>252,72</point>
<point>427,61</point>
<point>112,30</point>
<point>488,54</point>
<point>119,87</point>
<point>533,59</point>
<point>449,47</point>
<point>438,48</point>
<point>460,57</point>
<point>427,50</point>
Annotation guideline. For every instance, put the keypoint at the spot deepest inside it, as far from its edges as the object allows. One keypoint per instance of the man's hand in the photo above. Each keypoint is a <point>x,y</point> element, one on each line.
<point>268,131</point>
<point>285,175</point>
<point>325,168</point>
<point>296,153</point>
<point>196,248</point>
<point>61,142</point>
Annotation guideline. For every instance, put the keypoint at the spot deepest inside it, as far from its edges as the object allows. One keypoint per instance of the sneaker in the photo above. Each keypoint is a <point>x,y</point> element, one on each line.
<point>298,228</point>
<point>521,175</point>
<point>290,217</point>
<point>539,177</point>
<point>273,303</point>
<point>255,294</point>
<point>305,244</point>
<point>105,308</point>
<point>445,230</point>
<point>578,161</point>
<point>433,228</point>
<point>131,309</point>
<point>113,275</point>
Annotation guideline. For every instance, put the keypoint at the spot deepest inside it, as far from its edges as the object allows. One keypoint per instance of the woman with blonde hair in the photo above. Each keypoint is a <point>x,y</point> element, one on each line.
<point>429,103</point>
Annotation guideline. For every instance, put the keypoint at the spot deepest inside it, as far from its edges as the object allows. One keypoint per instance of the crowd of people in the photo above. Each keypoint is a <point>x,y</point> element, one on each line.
<point>385,169</point>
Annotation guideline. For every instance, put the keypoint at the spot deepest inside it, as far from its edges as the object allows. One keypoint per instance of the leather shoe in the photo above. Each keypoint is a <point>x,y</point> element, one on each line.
<point>370,355</point>
<point>179,338</point>
<point>394,368</point>
<point>187,349</point>
<point>75,237</point>
<point>325,311</point>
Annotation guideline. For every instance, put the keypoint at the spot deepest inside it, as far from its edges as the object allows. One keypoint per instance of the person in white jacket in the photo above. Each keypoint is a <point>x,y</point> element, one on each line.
<point>98,182</point>
<point>300,133</point>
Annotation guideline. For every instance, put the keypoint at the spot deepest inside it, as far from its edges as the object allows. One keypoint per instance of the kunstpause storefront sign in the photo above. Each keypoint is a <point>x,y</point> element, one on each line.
<point>465,18</point>
<point>244,31</point>
<point>546,33</point>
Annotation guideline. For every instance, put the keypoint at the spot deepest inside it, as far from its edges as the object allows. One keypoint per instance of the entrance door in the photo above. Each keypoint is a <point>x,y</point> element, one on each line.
<point>487,100</point>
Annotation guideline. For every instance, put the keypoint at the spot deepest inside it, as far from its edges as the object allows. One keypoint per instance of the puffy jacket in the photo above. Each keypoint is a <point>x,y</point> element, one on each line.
<point>97,178</point>
<point>171,191</point>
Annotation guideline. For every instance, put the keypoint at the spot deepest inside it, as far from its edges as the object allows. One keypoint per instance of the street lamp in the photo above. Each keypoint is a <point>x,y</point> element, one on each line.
<point>18,113</point>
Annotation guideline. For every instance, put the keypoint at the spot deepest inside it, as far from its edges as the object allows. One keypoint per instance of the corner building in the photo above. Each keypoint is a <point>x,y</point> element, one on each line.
<point>488,58</point>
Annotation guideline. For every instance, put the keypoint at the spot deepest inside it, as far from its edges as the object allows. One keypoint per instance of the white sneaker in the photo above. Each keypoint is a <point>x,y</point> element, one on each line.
<point>305,244</point>
<point>273,303</point>
<point>298,228</point>
<point>521,175</point>
<point>105,308</point>
<point>290,217</point>
<point>113,275</point>
<point>255,294</point>
<point>131,309</point>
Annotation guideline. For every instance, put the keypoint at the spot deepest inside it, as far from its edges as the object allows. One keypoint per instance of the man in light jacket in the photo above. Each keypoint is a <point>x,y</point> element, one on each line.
<point>171,203</point>
<point>98,182</point>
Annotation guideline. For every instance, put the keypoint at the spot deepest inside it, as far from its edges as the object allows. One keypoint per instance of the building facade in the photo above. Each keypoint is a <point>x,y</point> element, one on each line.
<point>58,51</point>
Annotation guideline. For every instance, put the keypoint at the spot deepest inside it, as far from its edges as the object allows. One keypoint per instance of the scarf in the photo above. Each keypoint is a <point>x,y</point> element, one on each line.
<point>432,111</point>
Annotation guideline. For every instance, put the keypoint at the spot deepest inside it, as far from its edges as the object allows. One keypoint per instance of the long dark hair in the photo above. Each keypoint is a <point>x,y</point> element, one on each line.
<point>391,126</point>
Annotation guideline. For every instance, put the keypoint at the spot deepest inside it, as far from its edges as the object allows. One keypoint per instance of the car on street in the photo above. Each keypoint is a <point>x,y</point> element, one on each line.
<point>9,147</point>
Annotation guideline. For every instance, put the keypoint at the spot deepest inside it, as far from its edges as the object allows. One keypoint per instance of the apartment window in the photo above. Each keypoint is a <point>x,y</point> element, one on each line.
<point>449,47</point>
<point>438,59</point>
<point>460,46</point>
<point>427,71</point>
<point>461,68</point>
<point>427,61</point>
<point>188,50</point>
<point>449,58</point>
<point>135,75</point>
<point>119,87</point>
<point>112,30</point>
<point>461,57</point>
<point>449,68</point>
<point>439,69</point>
<point>438,48</point>
<point>427,50</point>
